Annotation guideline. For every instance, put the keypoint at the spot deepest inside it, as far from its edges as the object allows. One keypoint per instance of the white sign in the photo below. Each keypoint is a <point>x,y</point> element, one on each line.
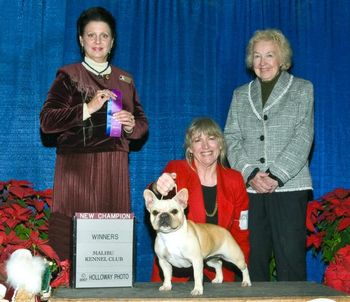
<point>103,250</point>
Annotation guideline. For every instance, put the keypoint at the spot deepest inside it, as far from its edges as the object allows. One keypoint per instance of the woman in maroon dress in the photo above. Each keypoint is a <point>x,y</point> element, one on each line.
<point>91,173</point>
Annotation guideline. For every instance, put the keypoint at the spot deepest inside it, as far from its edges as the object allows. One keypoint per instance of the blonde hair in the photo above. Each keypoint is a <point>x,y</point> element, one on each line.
<point>208,127</point>
<point>276,36</point>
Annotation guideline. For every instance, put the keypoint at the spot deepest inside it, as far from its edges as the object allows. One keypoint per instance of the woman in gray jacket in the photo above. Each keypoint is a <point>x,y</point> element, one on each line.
<point>269,133</point>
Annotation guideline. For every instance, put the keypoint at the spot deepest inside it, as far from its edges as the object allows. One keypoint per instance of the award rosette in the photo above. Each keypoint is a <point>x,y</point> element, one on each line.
<point>113,127</point>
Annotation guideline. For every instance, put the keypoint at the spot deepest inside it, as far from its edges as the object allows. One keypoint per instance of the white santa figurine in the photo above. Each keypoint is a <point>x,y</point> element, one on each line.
<point>24,275</point>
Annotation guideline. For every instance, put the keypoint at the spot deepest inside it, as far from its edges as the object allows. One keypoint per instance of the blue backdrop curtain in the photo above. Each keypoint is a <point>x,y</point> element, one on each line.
<point>186,58</point>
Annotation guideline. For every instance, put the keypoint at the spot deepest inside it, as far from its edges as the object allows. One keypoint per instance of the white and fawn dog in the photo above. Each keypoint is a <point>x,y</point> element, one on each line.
<point>183,243</point>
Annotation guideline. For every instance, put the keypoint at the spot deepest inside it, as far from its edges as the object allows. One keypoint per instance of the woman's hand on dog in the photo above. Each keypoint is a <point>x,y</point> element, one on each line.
<point>165,183</point>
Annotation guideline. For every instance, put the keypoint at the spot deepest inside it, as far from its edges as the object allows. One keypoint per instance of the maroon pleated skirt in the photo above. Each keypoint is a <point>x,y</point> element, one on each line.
<point>86,182</point>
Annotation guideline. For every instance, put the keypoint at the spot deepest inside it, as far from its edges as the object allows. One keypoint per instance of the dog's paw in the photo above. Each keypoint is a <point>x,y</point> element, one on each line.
<point>165,287</point>
<point>246,283</point>
<point>197,292</point>
<point>217,280</point>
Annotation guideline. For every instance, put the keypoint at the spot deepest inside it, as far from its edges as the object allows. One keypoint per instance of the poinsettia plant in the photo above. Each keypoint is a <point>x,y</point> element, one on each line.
<point>337,274</point>
<point>328,223</point>
<point>24,215</point>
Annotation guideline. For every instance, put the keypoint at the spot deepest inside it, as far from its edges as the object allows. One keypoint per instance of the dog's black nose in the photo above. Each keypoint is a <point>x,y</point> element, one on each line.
<point>164,219</point>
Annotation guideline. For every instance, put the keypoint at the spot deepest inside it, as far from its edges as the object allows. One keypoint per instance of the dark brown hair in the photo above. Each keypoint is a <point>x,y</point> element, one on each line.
<point>96,14</point>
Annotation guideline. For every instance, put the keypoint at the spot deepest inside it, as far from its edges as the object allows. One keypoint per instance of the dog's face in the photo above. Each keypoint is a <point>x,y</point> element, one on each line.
<point>166,215</point>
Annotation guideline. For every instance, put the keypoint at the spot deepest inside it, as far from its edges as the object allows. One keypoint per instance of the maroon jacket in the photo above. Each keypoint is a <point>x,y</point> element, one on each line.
<point>232,199</point>
<point>62,112</point>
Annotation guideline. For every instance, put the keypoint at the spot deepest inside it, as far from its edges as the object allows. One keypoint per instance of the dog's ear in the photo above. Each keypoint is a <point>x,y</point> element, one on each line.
<point>182,197</point>
<point>149,197</point>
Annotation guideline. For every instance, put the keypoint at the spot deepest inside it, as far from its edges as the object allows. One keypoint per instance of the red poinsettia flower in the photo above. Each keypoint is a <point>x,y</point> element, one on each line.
<point>15,214</point>
<point>312,210</point>
<point>337,274</point>
<point>46,195</point>
<point>37,204</point>
<point>20,189</point>
<point>40,216</point>
<point>11,238</point>
<point>343,257</point>
<point>9,243</point>
<point>24,215</point>
<point>328,223</point>
<point>43,228</point>
<point>36,243</point>
<point>35,239</point>
<point>341,193</point>
<point>344,224</point>
<point>315,240</point>
<point>63,277</point>
<point>342,209</point>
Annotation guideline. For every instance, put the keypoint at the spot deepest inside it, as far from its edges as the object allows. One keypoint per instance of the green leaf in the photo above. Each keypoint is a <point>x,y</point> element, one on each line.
<point>22,232</point>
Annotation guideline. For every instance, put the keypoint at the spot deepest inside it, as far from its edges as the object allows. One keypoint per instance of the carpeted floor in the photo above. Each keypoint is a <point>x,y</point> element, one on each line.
<point>259,291</point>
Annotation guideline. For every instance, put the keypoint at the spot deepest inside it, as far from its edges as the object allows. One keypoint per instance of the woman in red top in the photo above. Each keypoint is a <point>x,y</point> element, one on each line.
<point>217,194</point>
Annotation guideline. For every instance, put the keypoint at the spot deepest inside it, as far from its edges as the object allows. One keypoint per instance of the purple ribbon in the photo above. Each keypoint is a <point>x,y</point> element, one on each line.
<point>113,127</point>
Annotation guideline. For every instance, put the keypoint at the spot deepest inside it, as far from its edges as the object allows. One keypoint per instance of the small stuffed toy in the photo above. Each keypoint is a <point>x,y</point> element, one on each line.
<point>24,275</point>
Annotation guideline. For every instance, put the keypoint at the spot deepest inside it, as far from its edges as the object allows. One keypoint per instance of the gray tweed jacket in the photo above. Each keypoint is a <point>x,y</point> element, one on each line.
<point>277,137</point>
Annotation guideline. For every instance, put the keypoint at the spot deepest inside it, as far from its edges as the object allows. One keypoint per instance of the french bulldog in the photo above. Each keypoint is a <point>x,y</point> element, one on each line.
<point>183,243</point>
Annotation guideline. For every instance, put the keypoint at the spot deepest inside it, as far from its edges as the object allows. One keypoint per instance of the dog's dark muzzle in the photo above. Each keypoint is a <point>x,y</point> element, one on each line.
<point>164,220</point>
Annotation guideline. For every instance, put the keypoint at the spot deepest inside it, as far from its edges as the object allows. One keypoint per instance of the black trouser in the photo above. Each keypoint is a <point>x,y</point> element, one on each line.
<point>277,226</point>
